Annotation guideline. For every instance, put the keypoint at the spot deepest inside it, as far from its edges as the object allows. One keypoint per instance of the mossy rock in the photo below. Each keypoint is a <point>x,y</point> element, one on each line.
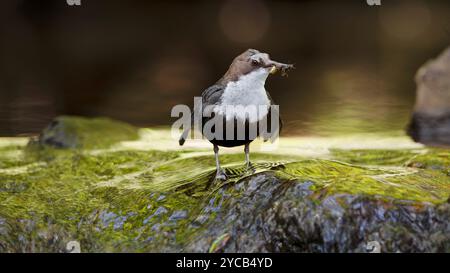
<point>87,133</point>
<point>136,200</point>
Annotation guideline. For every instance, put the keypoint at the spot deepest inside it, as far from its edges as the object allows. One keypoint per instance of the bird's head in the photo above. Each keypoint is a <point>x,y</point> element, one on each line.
<point>253,60</point>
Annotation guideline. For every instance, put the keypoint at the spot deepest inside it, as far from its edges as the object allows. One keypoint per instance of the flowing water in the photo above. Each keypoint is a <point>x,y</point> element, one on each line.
<point>150,195</point>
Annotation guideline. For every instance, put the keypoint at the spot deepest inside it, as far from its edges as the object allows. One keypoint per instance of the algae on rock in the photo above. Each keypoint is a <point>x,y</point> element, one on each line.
<point>136,200</point>
<point>80,132</point>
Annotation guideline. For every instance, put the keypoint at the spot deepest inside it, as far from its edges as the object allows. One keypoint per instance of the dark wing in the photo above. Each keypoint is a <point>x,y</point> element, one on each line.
<point>210,96</point>
<point>274,132</point>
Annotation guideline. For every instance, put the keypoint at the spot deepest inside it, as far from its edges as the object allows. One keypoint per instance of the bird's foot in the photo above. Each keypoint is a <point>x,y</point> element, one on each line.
<point>250,168</point>
<point>220,175</point>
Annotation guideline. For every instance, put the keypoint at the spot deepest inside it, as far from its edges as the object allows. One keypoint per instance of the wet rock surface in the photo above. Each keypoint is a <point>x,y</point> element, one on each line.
<point>430,123</point>
<point>293,220</point>
<point>135,200</point>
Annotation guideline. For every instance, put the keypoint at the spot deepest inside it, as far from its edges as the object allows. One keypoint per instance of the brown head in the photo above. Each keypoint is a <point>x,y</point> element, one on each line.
<point>252,60</point>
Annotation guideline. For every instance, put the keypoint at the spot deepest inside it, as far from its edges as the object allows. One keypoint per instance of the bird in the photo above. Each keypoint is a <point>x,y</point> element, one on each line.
<point>241,88</point>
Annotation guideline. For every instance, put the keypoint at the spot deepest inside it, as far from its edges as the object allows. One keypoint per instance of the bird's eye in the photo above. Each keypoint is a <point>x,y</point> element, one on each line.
<point>255,62</point>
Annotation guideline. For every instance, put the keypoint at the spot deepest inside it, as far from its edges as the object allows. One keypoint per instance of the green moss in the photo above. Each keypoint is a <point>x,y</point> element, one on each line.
<point>402,183</point>
<point>136,200</point>
<point>86,133</point>
<point>66,192</point>
<point>421,158</point>
<point>375,157</point>
<point>437,159</point>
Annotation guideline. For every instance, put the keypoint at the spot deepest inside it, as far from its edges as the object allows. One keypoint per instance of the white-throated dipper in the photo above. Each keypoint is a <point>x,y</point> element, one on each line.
<point>230,98</point>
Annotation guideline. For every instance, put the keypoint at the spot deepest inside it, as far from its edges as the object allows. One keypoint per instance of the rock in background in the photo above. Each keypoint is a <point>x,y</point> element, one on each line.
<point>431,119</point>
<point>87,133</point>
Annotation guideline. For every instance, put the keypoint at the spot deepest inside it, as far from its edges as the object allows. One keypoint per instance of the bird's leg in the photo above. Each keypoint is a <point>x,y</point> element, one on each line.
<point>220,174</point>
<point>247,155</point>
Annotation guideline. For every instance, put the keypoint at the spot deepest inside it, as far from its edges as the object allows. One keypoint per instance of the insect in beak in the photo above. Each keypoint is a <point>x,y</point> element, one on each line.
<point>273,70</point>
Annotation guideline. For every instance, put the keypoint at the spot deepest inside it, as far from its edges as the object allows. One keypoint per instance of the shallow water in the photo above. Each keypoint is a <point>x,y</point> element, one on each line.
<point>122,198</point>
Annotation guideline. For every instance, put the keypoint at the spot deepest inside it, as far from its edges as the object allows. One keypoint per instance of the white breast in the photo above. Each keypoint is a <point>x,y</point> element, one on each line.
<point>244,96</point>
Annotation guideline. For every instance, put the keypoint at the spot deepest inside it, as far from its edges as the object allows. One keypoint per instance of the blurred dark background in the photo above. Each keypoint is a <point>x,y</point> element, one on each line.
<point>133,60</point>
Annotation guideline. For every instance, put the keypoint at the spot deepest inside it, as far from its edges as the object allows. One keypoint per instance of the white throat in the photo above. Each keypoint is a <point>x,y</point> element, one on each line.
<point>247,91</point>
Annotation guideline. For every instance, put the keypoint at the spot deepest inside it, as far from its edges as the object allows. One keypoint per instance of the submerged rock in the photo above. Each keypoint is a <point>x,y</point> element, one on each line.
<point>172,204</point>
<point>80,132</point>
<point>119,200</point>
<point>430,122</point>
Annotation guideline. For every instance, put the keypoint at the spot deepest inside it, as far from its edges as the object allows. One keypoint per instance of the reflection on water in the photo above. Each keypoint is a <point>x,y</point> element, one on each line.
<point>134,62</point>
<point>321,119</point>
<point>348,118</point>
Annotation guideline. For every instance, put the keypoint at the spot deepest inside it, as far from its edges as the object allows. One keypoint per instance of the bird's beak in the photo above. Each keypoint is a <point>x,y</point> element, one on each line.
<point>275,66</point>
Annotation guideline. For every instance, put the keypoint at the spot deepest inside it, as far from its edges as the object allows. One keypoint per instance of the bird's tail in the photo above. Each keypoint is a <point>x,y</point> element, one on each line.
<point>184,136</point>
